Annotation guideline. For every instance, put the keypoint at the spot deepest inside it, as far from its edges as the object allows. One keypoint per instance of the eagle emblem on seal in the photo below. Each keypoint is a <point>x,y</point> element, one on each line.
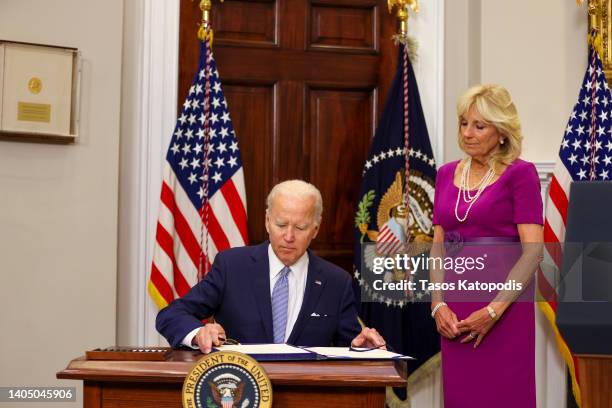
<point>227,391</point>
<point>400,220</point>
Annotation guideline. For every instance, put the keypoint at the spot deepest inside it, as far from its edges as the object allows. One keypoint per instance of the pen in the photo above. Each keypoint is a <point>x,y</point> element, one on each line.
<point>363,349</point>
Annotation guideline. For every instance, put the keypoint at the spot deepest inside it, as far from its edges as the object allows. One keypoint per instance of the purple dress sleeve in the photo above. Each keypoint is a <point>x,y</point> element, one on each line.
<point>527,198</point>
<point>435,218</point>
<point>440,184</point>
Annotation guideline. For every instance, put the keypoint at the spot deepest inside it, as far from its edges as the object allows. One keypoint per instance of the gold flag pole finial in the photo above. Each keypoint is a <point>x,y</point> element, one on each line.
<point>594,12</point>
<point>204,31</point>
<point>402,13</point>
<point>595,17</point>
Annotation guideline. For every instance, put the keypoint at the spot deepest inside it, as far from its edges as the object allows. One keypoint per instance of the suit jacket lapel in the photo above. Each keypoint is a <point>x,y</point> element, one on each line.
<point>261,283</point>
<point>315,282</point>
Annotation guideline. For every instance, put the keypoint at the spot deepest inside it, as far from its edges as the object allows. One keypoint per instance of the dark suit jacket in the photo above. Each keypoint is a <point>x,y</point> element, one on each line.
<point>237,292</point>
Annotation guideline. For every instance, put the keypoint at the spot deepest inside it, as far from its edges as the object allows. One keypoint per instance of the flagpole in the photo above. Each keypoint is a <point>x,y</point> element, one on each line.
<point>205,34</point>
<point>402,36</point>
<point>594,13</point>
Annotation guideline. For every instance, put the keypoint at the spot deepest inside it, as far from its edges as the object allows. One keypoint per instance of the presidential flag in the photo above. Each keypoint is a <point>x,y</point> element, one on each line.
<point>585,155</point>
<point>203,200</point>
<point>392,212</point>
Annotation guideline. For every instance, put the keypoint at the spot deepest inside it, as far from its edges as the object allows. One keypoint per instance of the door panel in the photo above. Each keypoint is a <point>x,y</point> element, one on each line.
<point>304,81</point>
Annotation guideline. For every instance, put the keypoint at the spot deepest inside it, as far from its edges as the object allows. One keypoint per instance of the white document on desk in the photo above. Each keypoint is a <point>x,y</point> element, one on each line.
<point>254,349</point>
<point>346,353</point>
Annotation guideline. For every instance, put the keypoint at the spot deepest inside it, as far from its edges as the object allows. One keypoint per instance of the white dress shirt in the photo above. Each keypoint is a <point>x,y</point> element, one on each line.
<point>297,285</point>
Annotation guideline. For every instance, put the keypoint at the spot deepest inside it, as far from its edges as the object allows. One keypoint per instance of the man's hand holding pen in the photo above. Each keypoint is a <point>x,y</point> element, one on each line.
<point>212,334</point>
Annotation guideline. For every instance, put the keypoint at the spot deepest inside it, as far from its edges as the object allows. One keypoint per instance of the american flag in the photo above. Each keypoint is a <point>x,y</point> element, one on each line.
<point>203,200</point>
<point>585,155</point>
<point>390,239</point>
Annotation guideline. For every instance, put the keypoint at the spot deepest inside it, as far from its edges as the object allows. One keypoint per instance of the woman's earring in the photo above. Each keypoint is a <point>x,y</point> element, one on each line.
<point>501,141</point>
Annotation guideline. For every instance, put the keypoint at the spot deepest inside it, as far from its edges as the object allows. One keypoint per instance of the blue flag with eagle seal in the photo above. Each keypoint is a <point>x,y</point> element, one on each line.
<point>384,219</point>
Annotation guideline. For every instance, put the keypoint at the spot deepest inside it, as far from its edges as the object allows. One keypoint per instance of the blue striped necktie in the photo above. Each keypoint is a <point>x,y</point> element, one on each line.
<point>280,298</point>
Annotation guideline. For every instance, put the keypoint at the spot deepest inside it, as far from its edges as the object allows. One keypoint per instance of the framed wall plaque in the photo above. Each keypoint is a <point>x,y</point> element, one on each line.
<point>39,88</point>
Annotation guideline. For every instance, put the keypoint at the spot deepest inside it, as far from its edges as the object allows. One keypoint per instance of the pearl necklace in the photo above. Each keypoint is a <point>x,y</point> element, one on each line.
<point>464,188</point>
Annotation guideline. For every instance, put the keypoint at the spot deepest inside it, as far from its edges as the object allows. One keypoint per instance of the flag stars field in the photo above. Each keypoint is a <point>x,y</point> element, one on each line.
<point>590,130</point>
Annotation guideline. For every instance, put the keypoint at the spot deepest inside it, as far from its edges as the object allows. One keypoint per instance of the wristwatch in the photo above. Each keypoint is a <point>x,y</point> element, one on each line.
<point>492,312</point>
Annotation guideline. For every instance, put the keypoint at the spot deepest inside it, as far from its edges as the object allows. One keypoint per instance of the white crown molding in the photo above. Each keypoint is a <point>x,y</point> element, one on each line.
<point>545,170</point>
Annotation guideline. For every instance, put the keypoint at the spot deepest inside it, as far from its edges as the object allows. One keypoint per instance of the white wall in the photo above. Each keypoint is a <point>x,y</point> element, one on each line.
<point>537,49</point>
<point>462,64</point>
<point>58,217</point>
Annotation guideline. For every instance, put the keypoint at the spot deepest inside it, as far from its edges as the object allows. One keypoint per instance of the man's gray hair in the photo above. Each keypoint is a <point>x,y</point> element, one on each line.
<point>297,189</point>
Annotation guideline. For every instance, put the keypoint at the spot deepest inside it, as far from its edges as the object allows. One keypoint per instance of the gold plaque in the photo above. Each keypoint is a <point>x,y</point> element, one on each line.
<point>35,85</point>
<point>34,112</point>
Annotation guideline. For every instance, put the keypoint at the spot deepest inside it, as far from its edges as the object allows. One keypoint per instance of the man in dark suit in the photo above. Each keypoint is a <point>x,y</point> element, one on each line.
<point>275,292</point>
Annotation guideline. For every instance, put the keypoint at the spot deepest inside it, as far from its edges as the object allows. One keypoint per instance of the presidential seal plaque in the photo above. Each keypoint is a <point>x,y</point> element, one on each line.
<point>227,379</point>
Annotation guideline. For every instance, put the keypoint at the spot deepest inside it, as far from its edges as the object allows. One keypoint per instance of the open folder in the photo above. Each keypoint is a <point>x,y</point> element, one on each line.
<point>286,352</point>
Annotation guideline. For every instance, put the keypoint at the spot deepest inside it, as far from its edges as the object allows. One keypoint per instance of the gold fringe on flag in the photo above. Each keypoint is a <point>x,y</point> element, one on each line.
<point>595,41</point>
<point>550,315</point>
<point>410,43</point>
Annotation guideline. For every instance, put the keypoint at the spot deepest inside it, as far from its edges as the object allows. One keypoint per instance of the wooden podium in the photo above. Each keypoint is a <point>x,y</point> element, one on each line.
<point>295,384</point>
<point>595,373</point>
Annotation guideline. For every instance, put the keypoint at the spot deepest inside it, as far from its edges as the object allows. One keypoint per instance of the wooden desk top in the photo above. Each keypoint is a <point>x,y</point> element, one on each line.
<point>174,370</point>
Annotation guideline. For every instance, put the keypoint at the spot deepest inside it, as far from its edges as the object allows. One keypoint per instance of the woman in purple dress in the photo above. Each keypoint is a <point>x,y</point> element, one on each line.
<point>490,196</point>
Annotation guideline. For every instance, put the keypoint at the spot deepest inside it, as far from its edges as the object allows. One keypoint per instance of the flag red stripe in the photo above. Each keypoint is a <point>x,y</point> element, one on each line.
<point>559,198</point>
<point>166,243</point>
<point>552,244</point>
<point>189,241</point>
<point>383,234</point>
<point>236,206</point>
<point>162,285</point>
<point>216,231</point>
<point>546,290</point>
<point>554,249</point>
<point>549,234</point>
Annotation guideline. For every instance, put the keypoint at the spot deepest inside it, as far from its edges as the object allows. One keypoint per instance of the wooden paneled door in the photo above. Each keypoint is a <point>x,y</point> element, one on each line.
<point>305,81</point>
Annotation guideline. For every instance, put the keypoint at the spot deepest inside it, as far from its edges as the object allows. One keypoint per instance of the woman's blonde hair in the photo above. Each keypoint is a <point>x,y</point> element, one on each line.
<point>494,104</point>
